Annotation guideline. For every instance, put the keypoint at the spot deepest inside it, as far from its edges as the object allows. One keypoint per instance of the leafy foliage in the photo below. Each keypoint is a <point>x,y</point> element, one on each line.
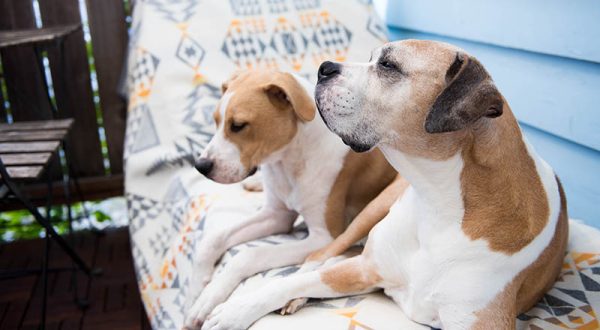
<point>20,224</point>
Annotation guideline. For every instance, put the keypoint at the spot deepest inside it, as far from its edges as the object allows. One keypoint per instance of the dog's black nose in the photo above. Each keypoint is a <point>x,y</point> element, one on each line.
<point>204,165</point>
<point>328,69</point>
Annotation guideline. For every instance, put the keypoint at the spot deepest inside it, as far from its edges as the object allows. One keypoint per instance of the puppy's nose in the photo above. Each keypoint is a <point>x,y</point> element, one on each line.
<point>204,165</point>
<point>328,69</point>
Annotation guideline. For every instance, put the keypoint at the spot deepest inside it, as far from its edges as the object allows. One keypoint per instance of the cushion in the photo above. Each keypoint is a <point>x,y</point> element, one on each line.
<point>180,52</point>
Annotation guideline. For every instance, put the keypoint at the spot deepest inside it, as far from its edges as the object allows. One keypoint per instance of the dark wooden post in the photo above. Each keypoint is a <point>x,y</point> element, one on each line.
<point>2,108</point>
<point>26,91</point>
<point>109,41</point>
<point>71,77</point>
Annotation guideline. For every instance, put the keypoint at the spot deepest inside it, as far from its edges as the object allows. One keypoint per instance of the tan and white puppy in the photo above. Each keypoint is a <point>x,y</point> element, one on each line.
<point>479,235</point>
<point>267,119</point>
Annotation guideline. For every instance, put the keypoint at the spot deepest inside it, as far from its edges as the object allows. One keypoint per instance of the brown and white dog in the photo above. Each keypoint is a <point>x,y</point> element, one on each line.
<point>480,233</point>
<point>267,119</point>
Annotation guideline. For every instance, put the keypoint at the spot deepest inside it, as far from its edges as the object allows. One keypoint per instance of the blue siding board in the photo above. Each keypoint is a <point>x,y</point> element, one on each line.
<point>557,101</point>
<point>577,167</point>
<point>556,27</point>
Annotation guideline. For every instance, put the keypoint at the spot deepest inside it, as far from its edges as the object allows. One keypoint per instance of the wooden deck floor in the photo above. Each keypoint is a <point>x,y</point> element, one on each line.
<point>114,296</point>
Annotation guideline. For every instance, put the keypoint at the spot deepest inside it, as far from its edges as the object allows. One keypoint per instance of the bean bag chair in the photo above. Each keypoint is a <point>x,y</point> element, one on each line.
<point>180,52</point>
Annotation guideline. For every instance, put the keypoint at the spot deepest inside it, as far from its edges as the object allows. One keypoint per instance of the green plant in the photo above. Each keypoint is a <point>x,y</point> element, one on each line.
<point>20,224</point>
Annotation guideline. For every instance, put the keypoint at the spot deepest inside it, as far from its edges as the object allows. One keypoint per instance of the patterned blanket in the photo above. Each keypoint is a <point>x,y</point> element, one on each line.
<point>180,52</point>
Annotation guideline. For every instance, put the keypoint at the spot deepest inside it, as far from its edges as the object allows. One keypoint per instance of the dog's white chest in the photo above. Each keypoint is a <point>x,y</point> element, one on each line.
<point>432,267</point>
<point>429,266</point>
<point>283,186</point>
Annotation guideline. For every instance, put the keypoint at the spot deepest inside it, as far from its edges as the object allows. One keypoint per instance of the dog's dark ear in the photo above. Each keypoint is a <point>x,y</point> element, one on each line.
<point>285,91</point>
<point>470,94</point>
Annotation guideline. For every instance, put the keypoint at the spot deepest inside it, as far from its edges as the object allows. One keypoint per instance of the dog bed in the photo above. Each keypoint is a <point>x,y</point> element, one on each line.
<point>180,52</point>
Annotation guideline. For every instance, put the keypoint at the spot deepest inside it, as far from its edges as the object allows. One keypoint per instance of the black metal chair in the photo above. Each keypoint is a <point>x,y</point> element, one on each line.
<point>28,151</point>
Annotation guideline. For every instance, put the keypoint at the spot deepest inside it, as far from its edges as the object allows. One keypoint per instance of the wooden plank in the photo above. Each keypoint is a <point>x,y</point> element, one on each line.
<point>93,188</point>
<point>109,39</point>
<point>40,158</point>
<point>60,124</point>
<point>110,252</point>
<point>562,28</point>
<point>16,288</point>
<point>35,36</point>
<point>22,147</point>
<point>24,172</point>
<point>21,136</point>
<point>24,81</point>
<point>15,310</point>
<point>3,117</point>
<point>3,311</point>
<point>71,74</point>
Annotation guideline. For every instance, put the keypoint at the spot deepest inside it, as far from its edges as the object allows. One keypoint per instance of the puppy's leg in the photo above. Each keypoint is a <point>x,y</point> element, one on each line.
<point>351,276</point>
<point>208,250</point>
<point>359,228</point>
<point>247,263</point>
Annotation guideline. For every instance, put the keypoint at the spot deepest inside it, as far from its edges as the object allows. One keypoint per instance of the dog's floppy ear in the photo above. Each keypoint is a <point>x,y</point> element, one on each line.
<point>285,91</point>
<point>231,78</point>
<point>469,95</point>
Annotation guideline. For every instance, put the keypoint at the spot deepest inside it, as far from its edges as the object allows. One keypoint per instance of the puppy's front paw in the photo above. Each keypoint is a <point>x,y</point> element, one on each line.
<point>213,295</point>
<point>253,184</point>
<point>293,306</point>
<point>234,314</point>
<point>200,278</point>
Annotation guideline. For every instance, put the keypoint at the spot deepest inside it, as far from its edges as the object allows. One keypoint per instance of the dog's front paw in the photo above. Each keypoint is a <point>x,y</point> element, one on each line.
<point>200,278</point>
<point>234,314</point>
<point>253,183</point>
<point>293,306</point>
<point>213,295</point>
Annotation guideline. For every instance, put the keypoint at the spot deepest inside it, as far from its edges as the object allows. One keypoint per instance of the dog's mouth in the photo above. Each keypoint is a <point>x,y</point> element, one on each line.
<point>252,171</point>
<point>356,146</point>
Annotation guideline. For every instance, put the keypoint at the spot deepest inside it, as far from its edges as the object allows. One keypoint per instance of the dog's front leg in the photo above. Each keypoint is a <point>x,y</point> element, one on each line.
<point>348,277</point>
<point>210,248</point>
<point>247,263</point>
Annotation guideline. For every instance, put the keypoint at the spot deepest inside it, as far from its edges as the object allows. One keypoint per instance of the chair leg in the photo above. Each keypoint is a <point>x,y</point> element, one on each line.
<point>44,222</point>
<point>46,257</point>
<point>83,303</point>
<point>45,279</point>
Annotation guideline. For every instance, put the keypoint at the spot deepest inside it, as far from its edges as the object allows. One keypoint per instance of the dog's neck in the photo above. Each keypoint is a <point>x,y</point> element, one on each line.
<point>496,146</point>
<point>312,143</point>
<point>434,181</point>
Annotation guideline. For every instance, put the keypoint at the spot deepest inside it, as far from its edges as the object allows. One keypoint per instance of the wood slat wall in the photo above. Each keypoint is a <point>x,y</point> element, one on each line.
<point>72,86</point>
<point>109,35</point>
<point>70,74</point>
<point>21,72</point>
<point>2,109</point>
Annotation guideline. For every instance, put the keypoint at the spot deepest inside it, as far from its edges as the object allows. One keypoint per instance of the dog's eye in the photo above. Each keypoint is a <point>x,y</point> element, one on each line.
<point>235,127</point>
<point>387,65</point>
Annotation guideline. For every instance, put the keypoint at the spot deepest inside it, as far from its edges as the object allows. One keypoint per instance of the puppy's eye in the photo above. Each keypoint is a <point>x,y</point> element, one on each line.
<point>235,127</point>
<point>387,65</point>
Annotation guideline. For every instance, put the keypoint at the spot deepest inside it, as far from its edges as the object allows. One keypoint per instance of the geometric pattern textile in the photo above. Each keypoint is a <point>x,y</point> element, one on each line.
<point>179,54</point>
<point>574,302</point>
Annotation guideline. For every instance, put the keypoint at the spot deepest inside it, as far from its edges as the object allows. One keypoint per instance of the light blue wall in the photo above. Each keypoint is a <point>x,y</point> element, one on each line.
<point>559,27</point>
<point>554,94</point>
